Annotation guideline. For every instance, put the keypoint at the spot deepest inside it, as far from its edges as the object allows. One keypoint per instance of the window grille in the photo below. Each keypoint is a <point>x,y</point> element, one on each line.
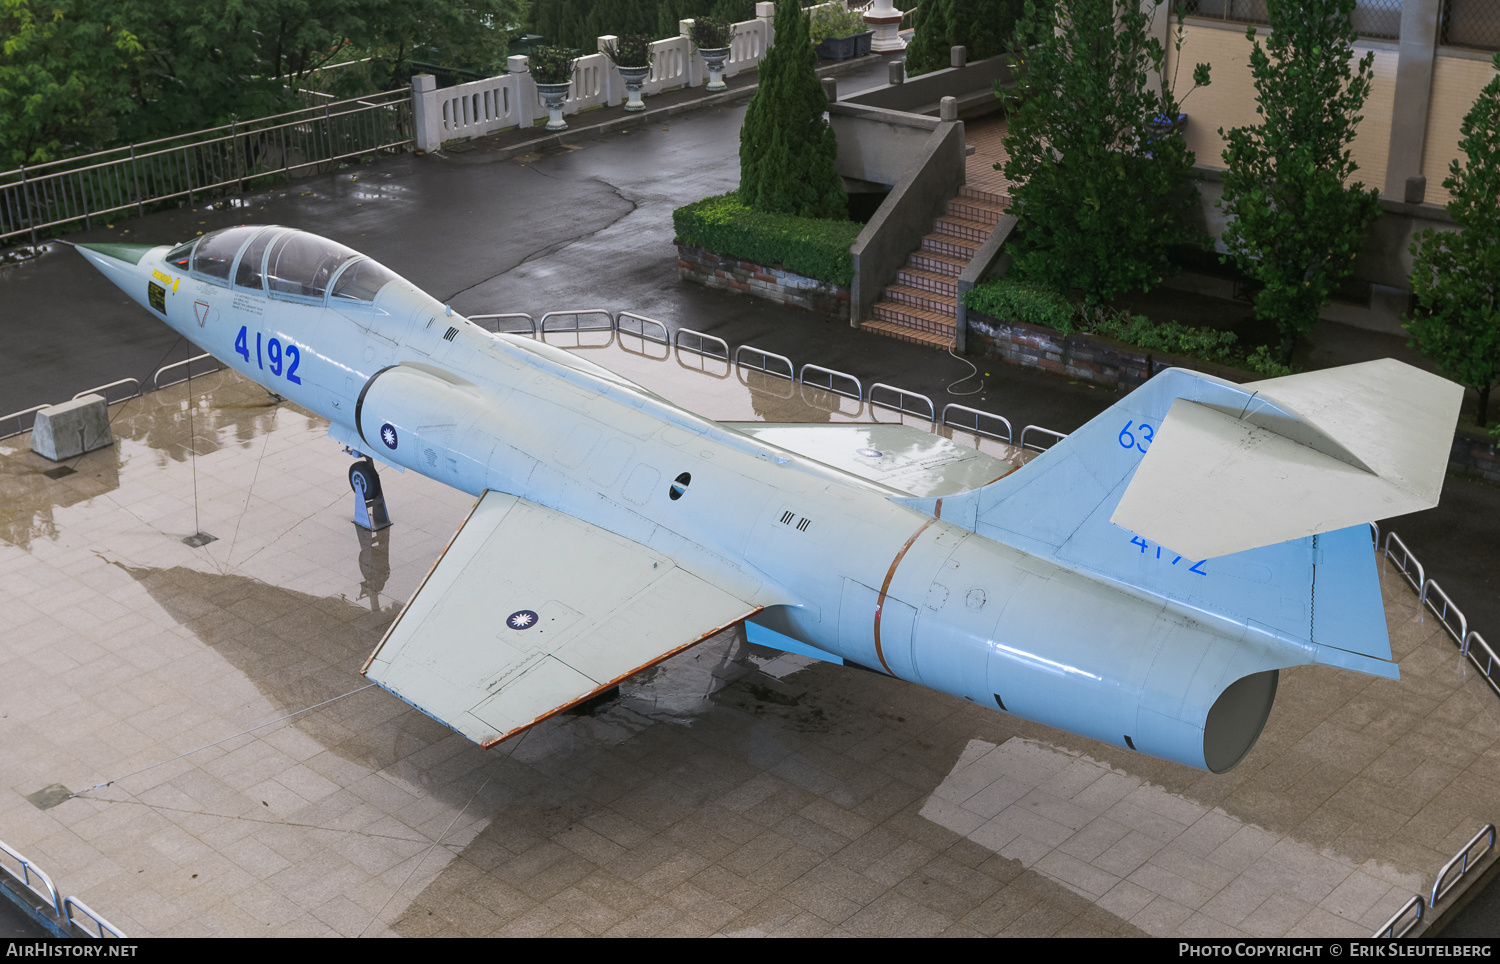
<point>1471,23</point>
<point>1375,19</point>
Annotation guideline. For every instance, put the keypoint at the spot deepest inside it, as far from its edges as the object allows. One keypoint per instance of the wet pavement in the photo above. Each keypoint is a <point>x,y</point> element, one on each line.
<point>811,775</point>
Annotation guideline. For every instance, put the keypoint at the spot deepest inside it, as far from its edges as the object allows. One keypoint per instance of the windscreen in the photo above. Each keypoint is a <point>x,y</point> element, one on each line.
<point>216,250</point>
<point>301,264</point>
<point>248,274</point>
<point>362,279</point>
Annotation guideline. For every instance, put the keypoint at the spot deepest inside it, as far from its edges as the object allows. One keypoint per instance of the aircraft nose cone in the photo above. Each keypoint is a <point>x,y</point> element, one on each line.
<point>130,253</point>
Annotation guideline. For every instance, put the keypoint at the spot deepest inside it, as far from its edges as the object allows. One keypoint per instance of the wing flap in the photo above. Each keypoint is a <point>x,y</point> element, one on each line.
<point>530,611</point>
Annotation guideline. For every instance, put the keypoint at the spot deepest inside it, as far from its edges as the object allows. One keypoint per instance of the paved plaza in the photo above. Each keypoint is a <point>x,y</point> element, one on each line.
<point>235,776</point>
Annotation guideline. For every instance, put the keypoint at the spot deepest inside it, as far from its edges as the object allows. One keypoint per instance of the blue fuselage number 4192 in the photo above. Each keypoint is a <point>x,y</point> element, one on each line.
<point>289,357</point>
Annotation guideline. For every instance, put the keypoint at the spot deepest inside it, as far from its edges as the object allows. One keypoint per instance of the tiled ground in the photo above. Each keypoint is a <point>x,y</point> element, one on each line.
<point>728,791</point>
<point>987,136</point>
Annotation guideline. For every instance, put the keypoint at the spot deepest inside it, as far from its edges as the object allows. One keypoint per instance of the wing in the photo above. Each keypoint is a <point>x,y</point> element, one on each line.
<point>530,611</point>
<point>905,458</point>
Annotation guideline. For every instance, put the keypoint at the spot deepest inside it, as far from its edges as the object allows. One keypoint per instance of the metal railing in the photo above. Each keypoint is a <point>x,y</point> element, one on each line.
<point>24,876</point>
<point>104,390</point>
<point>1443,612</point>
<point>87,391</point>
<point>530,322</point>
<point>703,341</point>
<point>900,404</point>
<point>1464,861</point>
<point>1404,564</point>
<point>1043,432</point>
<point>1461,861</point>
<point>20,415</point>
<point>156,383</point>
<point>1487,667</point>
<point>976,428</point>
<point>643,321</point>
<point>200,164</point>
<point>101,926</point>
<point>61,909</point>
<point>1389,928</point>
<point>765,356</point>
<point>858,393</point>
<point>576,314</point>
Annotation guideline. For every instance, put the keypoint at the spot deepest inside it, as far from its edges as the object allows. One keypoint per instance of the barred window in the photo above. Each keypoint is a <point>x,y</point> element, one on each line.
<point>1376,19</point>
<point>1471,23</point>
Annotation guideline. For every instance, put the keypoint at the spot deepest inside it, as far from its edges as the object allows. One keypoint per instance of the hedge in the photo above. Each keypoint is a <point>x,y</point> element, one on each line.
<point>813,248</point>
<point>1046,308</point>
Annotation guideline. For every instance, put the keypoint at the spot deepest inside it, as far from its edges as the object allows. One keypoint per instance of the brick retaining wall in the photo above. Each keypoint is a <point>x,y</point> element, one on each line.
<point>773,282</point>
<point>1105,361</point>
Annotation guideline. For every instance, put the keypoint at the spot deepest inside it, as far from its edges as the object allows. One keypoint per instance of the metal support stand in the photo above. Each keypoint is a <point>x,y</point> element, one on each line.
<point>369,500</point>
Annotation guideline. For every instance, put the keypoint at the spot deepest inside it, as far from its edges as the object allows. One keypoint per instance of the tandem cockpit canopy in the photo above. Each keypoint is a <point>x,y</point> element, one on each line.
<point>288,264</point>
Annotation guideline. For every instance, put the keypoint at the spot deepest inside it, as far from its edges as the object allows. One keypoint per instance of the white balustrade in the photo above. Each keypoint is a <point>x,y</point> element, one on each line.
<point>510,100</point>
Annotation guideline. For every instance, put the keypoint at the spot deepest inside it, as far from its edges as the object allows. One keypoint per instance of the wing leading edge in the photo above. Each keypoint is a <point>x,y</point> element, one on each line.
<point>530,611</point>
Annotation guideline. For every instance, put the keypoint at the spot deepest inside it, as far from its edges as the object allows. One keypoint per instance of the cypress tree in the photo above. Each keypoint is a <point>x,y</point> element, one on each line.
<point>985,28</point>
<point>787,149</point>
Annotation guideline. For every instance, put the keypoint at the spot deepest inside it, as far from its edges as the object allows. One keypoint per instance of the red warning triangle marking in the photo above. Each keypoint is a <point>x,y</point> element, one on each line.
<point>202,311</point>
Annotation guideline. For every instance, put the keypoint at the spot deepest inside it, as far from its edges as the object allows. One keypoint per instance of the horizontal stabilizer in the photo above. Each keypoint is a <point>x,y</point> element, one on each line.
<point>530,611</point>
<point>1307,454</point>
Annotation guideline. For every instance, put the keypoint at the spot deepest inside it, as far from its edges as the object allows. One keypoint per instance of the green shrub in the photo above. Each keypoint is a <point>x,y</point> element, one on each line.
<point>1032,304</point>
<point>712,33</point>
<point>811,247</point>
<point>1039,305</point>
<point>551,65</point>
<point>835,22</point>
<point>631,50</point>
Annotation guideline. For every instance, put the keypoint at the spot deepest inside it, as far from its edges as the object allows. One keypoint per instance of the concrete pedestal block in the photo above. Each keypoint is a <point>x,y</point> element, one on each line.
<point>72,428</point>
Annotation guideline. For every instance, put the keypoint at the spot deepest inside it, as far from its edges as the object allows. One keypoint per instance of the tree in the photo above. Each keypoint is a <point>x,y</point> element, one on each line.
<point>1456,275</point>
<point>1102,194</point>
<point>787,149</point>
<point>65,79</point>
<point>1296,223</point>
<point>984,28</point>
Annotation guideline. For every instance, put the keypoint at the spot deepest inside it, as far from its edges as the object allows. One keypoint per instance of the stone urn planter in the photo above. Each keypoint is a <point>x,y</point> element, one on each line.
<point>715,58</point>
<point>553,96</point>
<point>552,70</point>
<point>712,37</point>
<point>635,79</point>
<point>632,56</point>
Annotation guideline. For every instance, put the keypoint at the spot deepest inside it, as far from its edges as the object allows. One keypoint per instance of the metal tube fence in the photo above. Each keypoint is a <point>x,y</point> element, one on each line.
<point>899,404</point>
<point>200,164</point>
<point>1464,861</point>
<point>497,318</point>
<point>186,365</point>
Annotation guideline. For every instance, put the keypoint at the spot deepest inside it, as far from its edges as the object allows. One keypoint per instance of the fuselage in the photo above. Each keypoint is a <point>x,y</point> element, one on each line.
<point>837,564</point>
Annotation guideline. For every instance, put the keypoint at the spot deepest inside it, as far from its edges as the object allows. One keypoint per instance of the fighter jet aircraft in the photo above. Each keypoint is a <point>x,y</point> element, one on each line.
<point>1141,583</point>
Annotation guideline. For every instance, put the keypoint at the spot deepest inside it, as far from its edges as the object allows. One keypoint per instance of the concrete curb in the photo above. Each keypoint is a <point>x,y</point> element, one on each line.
<point>651,116</point>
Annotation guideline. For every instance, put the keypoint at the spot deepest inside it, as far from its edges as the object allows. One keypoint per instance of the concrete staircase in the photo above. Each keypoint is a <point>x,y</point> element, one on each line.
<point>921,306</point>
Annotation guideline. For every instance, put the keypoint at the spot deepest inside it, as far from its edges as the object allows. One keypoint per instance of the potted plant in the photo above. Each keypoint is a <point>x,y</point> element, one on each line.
<point>631,55</point>
<point>552,70</point>
<point>839,33</point>
<point>711,35</point>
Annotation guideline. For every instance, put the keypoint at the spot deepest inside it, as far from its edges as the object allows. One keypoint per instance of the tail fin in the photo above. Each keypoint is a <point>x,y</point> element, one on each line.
<point>1242,502</point>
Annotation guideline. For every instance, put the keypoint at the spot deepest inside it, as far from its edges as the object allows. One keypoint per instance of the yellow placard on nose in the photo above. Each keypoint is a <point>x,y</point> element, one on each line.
<point>163,278</point>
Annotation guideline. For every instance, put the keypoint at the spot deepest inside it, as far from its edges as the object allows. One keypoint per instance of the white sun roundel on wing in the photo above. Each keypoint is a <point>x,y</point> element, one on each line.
<point>521,619</point>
